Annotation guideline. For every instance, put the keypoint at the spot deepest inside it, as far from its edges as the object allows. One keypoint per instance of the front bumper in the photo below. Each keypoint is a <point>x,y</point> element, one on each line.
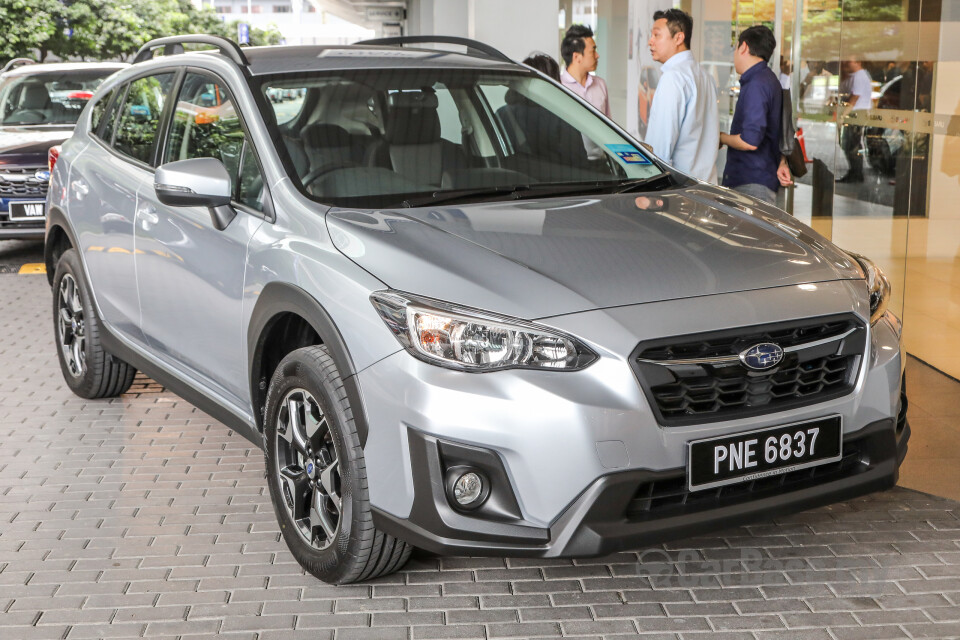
<point>31,228</point>
<point>575,448</point>
<point>633,509</point>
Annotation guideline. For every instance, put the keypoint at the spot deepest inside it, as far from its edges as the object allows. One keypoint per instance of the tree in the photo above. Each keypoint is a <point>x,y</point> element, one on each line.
<point>28,25</point>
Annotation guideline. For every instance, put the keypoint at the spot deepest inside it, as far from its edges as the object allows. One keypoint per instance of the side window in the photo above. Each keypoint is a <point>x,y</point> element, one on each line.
<point>449,114</point>
<point>206,125</point>
<point>140,114</point>
<point>101,105</point>
<point>107,135</point>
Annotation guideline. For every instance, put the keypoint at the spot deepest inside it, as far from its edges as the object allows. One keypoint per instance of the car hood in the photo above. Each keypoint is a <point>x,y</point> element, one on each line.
<point>29,145</point>
<point>539,258</point>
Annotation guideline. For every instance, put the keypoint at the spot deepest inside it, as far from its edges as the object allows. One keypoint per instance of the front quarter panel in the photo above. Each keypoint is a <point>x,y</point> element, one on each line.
<point>296,251</point>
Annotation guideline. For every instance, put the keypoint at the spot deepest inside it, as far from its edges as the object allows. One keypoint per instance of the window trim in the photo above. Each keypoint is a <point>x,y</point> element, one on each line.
<point>268,213</point>
<point>108,145</point>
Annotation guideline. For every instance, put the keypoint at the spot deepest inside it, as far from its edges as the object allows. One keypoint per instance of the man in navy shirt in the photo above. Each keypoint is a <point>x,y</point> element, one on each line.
<point>754,164</point>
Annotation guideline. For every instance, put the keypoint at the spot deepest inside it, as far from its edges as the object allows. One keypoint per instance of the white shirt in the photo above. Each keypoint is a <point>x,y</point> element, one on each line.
<point>684,126</point>
<point>860,84</point>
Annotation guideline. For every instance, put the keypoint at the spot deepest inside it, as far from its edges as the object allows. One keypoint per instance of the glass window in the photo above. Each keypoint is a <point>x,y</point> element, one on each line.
<point>98,110</point>
<point>139,116</point>
<point>47,97</point>
<point>373,138</point>
<point>206,125</point>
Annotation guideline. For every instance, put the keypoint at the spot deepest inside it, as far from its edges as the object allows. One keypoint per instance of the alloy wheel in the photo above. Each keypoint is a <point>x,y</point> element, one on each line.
<point>71,331</point>
<point>308,469</point>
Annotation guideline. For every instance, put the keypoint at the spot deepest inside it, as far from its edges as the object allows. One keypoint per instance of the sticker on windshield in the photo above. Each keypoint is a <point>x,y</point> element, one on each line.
<point>628,154</point>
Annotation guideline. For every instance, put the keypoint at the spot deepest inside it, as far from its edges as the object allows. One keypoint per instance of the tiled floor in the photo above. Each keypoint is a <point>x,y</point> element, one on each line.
<point>143,517</point>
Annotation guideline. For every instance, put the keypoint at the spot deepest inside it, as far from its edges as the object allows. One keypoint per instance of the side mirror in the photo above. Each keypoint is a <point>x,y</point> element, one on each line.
<point>197,182</point>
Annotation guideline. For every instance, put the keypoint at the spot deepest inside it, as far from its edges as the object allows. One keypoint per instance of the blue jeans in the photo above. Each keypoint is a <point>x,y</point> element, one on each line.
<point>759,191</point>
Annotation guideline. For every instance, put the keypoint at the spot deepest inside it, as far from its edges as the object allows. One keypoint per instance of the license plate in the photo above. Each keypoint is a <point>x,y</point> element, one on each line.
<point>20,211</point>
<point>741,457</point>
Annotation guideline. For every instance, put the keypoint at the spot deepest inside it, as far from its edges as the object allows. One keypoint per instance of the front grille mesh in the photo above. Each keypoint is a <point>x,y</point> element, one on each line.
<point>657,498</point>
<point>30,188</point>
<point>686,393</point>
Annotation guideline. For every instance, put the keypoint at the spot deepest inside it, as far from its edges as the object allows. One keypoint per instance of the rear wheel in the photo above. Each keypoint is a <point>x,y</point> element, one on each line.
<point>89,371</point>
<point>317,474</point>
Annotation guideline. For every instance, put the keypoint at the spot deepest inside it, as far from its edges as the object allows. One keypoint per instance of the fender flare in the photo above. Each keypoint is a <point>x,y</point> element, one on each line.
<point>278,298</point>
<point>56,218</point>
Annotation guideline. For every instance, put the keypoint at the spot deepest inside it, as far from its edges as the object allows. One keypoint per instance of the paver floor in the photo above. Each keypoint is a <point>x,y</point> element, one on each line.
<point>143,517</point>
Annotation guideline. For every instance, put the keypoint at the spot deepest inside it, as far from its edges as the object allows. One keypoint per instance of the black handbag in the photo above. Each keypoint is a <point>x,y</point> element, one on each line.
<point>789,147</point>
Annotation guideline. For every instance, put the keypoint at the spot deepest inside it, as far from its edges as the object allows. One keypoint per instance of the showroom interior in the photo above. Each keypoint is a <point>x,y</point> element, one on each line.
<point>142,516</point>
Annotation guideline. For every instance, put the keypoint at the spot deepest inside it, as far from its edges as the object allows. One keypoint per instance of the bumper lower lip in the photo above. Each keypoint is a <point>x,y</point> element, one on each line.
<point>598,522</point>
<point>22,232</point>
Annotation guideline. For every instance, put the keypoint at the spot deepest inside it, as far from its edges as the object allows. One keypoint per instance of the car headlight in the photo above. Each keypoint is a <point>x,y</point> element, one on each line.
<point>878,286</point>
<point>472,340</point>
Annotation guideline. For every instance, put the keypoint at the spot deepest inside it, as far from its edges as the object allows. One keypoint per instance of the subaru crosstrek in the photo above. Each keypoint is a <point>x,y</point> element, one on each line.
<point>459,308</point>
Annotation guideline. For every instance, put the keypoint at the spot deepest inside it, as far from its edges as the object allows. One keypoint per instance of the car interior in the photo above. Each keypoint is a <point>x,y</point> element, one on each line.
<point>385,135</point>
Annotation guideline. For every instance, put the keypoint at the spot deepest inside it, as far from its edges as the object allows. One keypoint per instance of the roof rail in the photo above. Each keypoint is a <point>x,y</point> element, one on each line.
<point>17,62</point>
<point>472,45</point>
<point>174,44</point>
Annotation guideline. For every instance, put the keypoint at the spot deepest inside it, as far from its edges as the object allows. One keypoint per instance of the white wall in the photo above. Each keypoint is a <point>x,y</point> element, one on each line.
<point>512,26</point>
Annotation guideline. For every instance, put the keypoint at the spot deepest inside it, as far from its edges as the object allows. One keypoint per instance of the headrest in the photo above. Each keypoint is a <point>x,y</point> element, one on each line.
<point>326,135</point>
<point>34,96</point>
<point>425,98</point>
<point>413,126</point>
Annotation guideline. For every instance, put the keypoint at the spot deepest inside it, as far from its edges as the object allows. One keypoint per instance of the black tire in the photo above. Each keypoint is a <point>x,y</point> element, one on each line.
<point>309,474</point>
<point>89,371</point>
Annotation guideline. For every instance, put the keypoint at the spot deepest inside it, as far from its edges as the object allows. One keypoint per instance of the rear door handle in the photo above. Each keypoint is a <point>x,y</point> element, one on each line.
<point>148,216</point>
<point>80,188</point>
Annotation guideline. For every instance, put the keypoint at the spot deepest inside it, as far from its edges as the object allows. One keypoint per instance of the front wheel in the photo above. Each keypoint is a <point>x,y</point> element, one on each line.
<point>89,371</point>
<point>317,475</point>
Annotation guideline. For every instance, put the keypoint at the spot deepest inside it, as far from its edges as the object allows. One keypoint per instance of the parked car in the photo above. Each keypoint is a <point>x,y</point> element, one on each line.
<point>39,105</point>
<point>447,326</point>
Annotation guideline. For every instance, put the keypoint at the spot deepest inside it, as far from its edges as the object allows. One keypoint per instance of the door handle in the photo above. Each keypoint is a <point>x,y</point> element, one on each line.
<point>79,188</point>
<point>148,216</point>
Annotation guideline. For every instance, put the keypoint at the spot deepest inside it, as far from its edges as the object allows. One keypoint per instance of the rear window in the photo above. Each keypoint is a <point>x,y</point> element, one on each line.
<point>48,98</point>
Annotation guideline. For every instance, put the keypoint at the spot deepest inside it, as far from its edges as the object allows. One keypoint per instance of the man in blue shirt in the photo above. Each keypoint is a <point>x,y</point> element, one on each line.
<point>684,125</point>
<point>754,164</point>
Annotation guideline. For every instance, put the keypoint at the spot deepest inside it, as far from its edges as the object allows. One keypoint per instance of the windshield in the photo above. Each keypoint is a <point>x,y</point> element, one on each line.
<point>380,138</point>
<point>47,98</point>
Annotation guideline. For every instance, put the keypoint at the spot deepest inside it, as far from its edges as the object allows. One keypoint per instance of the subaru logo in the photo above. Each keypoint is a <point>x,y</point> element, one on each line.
<point>42,176</point>
<point>762,356</point>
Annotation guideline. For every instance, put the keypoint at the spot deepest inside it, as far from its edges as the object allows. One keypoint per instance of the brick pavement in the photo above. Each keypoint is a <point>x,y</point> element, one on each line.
<point>143,517</point>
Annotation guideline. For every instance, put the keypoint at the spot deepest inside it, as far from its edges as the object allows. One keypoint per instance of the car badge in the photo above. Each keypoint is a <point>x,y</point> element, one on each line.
<point>762,356</point>
<point>310,468</point>
<point>42,176</point>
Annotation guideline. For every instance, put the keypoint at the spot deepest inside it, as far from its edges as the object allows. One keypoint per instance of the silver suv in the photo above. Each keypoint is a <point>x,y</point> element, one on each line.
<point>458,308</point>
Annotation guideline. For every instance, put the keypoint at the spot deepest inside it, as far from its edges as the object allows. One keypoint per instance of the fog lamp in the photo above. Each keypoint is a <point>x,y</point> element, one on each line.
<point>467,489</point>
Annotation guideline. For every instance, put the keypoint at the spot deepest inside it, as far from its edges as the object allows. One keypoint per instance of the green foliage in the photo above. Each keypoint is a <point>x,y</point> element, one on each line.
<point>105,29</point>
<point>27,25</point>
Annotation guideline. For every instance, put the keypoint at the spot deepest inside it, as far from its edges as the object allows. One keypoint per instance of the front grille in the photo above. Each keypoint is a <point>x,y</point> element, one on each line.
<point>659,498</point>
<point>699,378</point>
<point>21,183</point>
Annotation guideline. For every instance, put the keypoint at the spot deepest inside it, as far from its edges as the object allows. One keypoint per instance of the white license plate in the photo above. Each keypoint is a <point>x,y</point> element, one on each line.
<point>27,211</point>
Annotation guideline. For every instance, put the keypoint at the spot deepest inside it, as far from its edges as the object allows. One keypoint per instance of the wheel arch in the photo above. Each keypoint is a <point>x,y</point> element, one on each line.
<point>59,237</point>
<point>284,319</point>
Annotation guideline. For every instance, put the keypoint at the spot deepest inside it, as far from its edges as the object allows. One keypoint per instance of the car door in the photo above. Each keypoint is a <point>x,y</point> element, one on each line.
<point>104,182</point>
<point>189,273</point>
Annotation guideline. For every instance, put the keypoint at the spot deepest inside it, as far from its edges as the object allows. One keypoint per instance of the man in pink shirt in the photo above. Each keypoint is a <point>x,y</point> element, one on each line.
<point>579,53</point>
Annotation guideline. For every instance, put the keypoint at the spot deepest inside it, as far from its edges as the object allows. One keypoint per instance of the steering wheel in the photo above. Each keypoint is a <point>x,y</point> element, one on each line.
<point>322,170</point>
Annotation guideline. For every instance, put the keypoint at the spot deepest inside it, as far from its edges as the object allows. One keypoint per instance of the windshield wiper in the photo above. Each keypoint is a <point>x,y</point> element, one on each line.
<point>543,190</point>
<point>653,183</point>
<point>438,197</point>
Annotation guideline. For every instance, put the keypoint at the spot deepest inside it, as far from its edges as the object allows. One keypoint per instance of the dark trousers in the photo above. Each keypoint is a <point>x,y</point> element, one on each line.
<point>850,139</point>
